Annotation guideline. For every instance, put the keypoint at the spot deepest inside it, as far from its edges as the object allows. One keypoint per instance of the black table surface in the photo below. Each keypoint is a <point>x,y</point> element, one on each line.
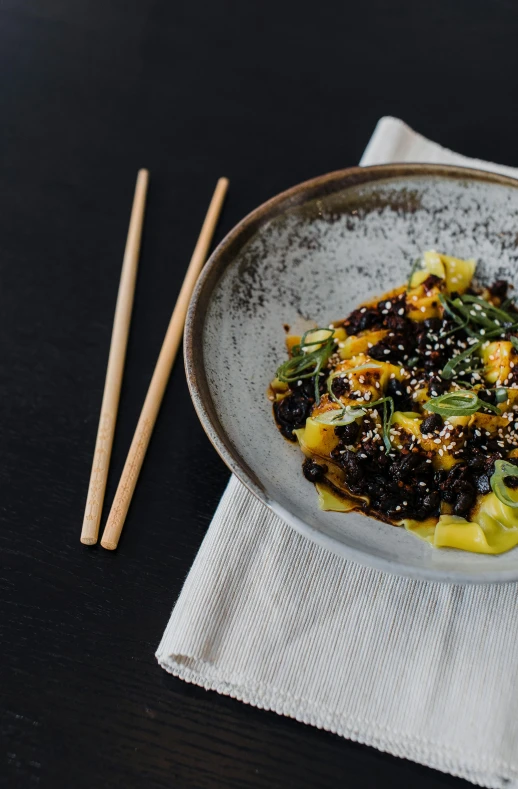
<point>268,94</point>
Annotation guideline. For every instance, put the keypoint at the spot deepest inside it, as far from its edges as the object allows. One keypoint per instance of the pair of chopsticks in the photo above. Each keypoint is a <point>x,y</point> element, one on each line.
<point>155,393</point>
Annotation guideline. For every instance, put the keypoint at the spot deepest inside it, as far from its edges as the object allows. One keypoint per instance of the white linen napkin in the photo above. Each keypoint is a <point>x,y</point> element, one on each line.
<point>426,671</point>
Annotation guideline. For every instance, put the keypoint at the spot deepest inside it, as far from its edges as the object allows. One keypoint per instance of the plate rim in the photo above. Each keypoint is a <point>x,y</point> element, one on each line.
<point>217,263</point>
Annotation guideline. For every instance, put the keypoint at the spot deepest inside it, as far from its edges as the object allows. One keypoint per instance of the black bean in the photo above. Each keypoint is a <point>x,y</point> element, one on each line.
<point>463,504</point>
<point>398,392</point>
<point>482,484</point>
<point>397,323</point>
<point>431,423</point>
<point>499,288</point>
<point>476,462</point>
<point>431,502</point>
<point>291,413</point>
<point>487,395</point>
<point>351,465</point>
<point>437,386</point>
<point>362,319</point>
<point>433,324</point>
<point>313,471</point>
<point>405,465</point>
<point>348,433</point>
<point>340,386</point>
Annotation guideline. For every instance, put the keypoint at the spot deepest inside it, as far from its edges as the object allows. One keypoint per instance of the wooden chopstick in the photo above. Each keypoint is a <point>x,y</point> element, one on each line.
<point>114,371</point>
<point>146,423</point>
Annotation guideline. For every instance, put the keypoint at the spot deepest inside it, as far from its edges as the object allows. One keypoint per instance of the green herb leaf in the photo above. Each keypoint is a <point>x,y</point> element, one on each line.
<point>449,368</point>
<point>503,469</point>
<point>459,403</point>
<point>462,323</point>
<point>482,324</point>
<point>308,364</point>
<point>488,308</point>
<point>388,413</point>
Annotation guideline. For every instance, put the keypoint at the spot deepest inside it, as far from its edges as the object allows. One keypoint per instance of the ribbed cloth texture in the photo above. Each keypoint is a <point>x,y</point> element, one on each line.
<point>425,671</point>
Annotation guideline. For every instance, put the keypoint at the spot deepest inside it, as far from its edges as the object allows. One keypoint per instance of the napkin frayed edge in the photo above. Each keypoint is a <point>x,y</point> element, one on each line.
<point>264,696</point>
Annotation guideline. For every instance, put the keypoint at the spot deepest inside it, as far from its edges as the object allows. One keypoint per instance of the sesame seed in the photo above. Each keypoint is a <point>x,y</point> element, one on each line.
<point>423,309</point>
<point>441,452</point>
<point>386,351</point>
<point>388,304</point>
<point>363,309</point>
<point>401,311</point>
<point>437,441</point>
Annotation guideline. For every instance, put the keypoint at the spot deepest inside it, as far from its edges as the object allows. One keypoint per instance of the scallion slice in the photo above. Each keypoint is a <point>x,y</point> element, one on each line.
<point>366,366</point>
<point>459,403</point>
<point>501,394</point>
<point>339,417</point>
<point>503,469</point>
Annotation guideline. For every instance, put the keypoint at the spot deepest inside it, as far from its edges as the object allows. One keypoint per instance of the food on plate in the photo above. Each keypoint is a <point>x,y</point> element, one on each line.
<point>407,410</point>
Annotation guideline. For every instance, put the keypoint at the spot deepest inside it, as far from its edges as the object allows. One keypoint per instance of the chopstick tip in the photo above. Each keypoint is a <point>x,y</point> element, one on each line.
<point>109,545</point>
<point>88,540</point>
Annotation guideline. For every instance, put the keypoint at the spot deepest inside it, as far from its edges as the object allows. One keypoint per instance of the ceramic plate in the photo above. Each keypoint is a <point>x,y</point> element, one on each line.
<point>314,253</point>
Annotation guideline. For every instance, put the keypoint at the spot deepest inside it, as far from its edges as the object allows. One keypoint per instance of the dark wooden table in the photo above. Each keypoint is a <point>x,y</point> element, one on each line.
<point>269,94</point>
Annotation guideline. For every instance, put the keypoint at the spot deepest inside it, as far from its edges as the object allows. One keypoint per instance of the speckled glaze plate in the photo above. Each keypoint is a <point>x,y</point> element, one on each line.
<point>314,252</point>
